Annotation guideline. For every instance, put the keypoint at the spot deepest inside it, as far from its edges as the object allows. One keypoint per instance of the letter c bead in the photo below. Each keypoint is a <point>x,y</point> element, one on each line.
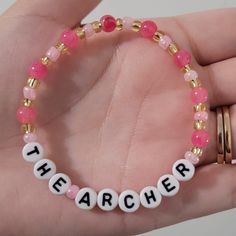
<point>129,201</point>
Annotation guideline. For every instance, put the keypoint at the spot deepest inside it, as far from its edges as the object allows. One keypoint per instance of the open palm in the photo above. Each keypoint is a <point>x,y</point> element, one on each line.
<point>116,113</point>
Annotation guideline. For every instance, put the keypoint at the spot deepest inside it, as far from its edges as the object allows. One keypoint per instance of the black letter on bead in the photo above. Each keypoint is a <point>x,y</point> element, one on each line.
<point>36,150</point>
<point>181,168</point>
<point>85,199</point>
<point>44,170</point>
<point>167,185</point>
<point>106,198</point>
<point>151,196</point>
<point>59,184</point>
<point>126,202</point>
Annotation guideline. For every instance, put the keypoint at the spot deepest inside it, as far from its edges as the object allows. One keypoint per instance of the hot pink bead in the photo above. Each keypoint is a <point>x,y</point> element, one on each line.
<point>38,71</point>
<point>127,22</point>
<point>53,54</point>
<point>89,31</point>
<point>108,23</point>
<point>199,95</point>
<point>29,93</point>
<point>26,115</point>
<point>190,75</point>
<point>194,159</point>
<point>201,115</point>
<point>165,41</point>
<point>148,28</point>
<point>72,192</point>
<point>69,38</point>
<point>182,58</point>
<point>200,138</point>
<point>30,137</point>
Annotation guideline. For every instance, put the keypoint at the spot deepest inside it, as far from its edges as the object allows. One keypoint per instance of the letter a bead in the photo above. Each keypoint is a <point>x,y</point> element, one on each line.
<point>86,198</point>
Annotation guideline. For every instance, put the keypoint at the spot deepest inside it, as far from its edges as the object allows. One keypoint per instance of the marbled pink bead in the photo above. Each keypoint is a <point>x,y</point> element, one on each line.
<point>69,38</point>
<point>199,95</point>
<point>201,115</point>
<point>37,70</point>
<point>200,138</point>
<point>53,54</point>
<point>26,115</point>
<point>30,137</point>
<point>182,58</point>
<point>148,28</point>
<point>165,41</point>
<point>89,31</point>
<point>194,159</point>
<point>190,75</point>
<point>108,23</point>
<point>127,22</point>
<point>72,192</point>
<point>29,93</point>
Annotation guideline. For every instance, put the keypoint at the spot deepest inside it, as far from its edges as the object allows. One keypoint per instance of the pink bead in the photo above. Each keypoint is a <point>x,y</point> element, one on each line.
<point>201,115</point>
<point>190,75</point>
<point>182,58</point>
<point>29,93</point>
<point>148,28</point>
<point>165,41</point>
<point>30,137</point>
<point>89,31</point>
<point>72,192</point>
<point>127,22</point>
<point>26,115</point>
<point>200,138</point>
<point>69,38</point>
<point>108,23</point>
<point>53,54</point>
<point>194,159</point>
<point>199,95</point>
<point>37,70</point>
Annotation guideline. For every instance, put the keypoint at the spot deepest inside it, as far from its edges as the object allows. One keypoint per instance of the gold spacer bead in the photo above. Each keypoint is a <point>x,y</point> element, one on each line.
<point>197,151</point>
<point>97,26</point>
<point>158,35</point>
<point>199,124</point>
<point>119,24</point>
<point>187,68</point>
<point>33,83</point>
<point>194,83</point>
<point>199,107</point>
<point>80,32</point>
<point>27,102</point>
<point>173,48</point>
<point>136,25</point>
<point>27,128</point>
<point>45,61</point>
<point>62,48</point>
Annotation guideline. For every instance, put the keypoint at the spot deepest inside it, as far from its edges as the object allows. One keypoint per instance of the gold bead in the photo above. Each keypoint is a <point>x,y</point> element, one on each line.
<point>199,107</point>
<point>27,128</point>
<point>62,48</point>
<point>45,61</point>
<point>158,35</point>
<point>197,151</point>
<point>173,48</point>
<point>187,68</point>
<point>27,102</point>
<point>194,83</point>
<point>199,124</point>
<point>136,25</point>
<point>97,26</point>
<point>119,24</point>
<point>80,32</point>
<point>33,83</point>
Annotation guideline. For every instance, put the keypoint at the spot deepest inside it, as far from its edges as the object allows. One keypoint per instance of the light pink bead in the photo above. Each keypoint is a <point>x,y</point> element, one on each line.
<point>89,31</point>
<point>190,75</point>
<point>72,192</point>
<point>30,137</point>
<point>127,22</point>
<point>69,38</point>
<point>38,70</point>
<point>199,95</point>
<point>29,93</point>
<point>182,58</point>
<point>26,115</point>
<point>191,157</point>
<point>148,28</point>
<point>201,115</point>
<point>200,138</point>
<point>165,41</point>
<point>53,54</point>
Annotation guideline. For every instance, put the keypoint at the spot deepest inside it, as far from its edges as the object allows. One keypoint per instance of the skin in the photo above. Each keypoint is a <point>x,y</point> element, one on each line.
<point>117,114</point>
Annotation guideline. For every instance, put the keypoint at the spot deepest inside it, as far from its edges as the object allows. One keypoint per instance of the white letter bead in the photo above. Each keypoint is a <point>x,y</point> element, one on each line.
<point>44,169</point>
<point>168,185</point>
<point>59,183</point>
<point>183,170</point>
<point>129,201</point>
<point>107,199</point>
<point>150,197</point>
<point>32,152</point>
<point>86,198</point>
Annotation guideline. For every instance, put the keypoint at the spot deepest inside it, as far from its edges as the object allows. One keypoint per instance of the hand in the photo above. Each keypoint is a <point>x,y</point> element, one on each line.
<point>116,114</point>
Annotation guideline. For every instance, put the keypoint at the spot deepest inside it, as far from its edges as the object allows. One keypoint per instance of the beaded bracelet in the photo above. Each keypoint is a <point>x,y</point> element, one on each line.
<point>107,199</point>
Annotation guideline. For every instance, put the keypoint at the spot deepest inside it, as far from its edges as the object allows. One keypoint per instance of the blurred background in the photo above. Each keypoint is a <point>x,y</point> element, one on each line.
<point>215,225</point>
